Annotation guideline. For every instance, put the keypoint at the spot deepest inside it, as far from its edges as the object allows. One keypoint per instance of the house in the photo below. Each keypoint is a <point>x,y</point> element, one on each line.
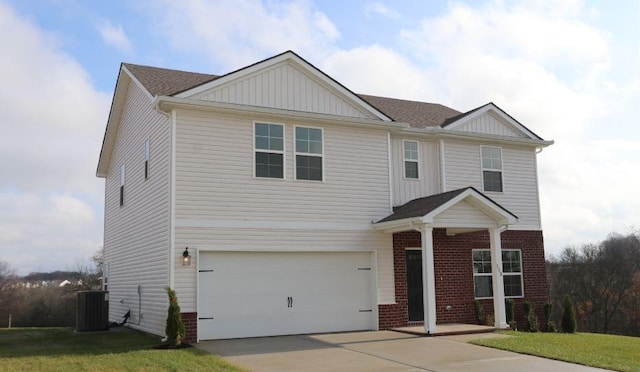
<point>276,201</point>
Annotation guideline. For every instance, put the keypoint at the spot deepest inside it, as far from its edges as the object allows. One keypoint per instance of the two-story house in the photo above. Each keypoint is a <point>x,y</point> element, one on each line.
<point>276,201</point>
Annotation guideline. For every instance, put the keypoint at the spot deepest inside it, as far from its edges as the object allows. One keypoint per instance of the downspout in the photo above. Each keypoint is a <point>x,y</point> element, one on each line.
<point>389,172</point>
<point>443,179</point>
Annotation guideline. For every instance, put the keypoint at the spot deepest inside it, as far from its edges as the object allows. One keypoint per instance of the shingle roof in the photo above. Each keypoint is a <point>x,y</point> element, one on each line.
<point>417,114</point>
<point>166,82</point>
<point>422,206</point>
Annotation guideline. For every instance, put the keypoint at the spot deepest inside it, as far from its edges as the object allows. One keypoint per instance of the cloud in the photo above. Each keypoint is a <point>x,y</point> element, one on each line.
<point>52,121</point>
<point>246,32</point>
<point>378,8</point>
<point>114,36</point>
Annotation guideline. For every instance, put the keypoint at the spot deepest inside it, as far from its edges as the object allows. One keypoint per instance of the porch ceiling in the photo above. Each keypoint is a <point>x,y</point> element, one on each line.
<point>458,211</point>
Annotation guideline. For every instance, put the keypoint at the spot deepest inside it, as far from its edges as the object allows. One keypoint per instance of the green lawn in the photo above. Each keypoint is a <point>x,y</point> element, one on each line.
<point>61,349</point>
<point>596,350</point>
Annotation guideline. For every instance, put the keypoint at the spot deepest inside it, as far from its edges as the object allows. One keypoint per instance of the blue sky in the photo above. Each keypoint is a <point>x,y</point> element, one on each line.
<point>567,69</point>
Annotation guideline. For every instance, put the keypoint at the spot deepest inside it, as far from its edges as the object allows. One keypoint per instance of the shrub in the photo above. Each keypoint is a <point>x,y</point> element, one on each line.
<point>175,329</point>
<point>550,325</point>
<point>510,307</point>
<point>530,315</point>
<point>479,310</point>
<point>490,320</point>
<point>569,324</point>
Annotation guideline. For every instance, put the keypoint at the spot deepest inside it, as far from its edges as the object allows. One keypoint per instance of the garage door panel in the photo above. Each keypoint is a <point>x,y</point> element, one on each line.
<point>247,294</point>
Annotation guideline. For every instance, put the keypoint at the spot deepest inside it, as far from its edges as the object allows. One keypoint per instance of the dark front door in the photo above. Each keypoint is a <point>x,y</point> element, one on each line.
<point>414,285</point>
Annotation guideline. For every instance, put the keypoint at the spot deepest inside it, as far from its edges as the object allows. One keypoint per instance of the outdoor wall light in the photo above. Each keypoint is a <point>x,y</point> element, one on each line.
<point>186,257</point>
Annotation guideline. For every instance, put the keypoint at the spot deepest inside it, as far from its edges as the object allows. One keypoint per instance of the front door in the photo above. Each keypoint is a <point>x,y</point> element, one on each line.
<point>414,285</point>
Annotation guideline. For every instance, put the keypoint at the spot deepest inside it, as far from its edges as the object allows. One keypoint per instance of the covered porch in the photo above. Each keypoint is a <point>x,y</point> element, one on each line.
<point>463,217</point>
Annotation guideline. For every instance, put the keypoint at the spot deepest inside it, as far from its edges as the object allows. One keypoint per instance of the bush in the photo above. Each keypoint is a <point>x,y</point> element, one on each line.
<point>549,326</point>
<point>530,315</point>
<point>479,310</point>
<point>510,307</point>
<point>569,324</point>
<point>175,327</point>
<point>490,320</point>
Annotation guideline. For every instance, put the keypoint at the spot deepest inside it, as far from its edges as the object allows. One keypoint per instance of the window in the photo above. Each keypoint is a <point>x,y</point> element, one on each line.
<point>122,185</point>
<point>511,270</point>
<point>269,150</point>
<point>410,149</point>
<point>146,159</point>
<point>308,153</point>
<point>492,168</point>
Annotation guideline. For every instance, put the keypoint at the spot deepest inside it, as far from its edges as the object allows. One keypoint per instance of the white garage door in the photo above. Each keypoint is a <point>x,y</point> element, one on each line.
<point>252,294</point>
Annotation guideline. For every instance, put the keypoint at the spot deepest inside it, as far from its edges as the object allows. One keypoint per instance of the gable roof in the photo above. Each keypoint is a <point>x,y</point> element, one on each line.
<point>166,82</point>
<point>429,206</point>
<point>417,114</point>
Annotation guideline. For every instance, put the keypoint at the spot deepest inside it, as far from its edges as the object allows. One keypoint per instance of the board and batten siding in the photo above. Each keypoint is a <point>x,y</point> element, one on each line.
<point>282,86</point>
<point>136,236</point>
<point>519,174</point>
<point>220,205</point>
<point>405,190</point>
<point>488,124</point>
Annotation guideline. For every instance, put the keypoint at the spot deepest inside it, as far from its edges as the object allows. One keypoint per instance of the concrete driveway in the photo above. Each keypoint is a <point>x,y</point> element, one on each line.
<point>376,351</point>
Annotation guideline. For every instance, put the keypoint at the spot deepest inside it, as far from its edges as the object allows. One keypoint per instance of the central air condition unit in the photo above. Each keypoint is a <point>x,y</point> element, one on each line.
<point>93,311</point>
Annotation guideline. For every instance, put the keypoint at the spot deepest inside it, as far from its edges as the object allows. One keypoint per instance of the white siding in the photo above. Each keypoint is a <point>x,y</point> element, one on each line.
<point>136,237</point>
<point>519,174</point>
<point>463,211</point>
<point>489,124</point>
<point>282,86</point>
<point>405,190</point>
<point>216,195</point>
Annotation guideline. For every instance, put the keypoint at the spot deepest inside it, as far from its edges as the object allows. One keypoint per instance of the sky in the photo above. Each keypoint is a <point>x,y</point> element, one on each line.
<point>569,70</point>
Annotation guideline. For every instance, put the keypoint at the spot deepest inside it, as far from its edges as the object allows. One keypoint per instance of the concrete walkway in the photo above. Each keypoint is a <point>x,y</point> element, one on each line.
<point>376,351</point>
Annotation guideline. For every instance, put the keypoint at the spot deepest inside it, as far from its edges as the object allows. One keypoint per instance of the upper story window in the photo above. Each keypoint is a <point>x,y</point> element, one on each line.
<point>269,150</point>
<point>511,273</point>
<point>492,168</point>
<point>146,159</point>
<point>309,153</point>
<point>410,149</point>
<point>122,185</point>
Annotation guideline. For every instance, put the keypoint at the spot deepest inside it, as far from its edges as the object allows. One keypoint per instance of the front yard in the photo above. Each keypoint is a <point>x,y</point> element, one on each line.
<point>61,349</point>
<point>618,353</point>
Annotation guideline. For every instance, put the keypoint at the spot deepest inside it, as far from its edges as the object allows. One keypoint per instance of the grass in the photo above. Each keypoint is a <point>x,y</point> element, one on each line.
<point>61,349</point>
<point>618,353</point>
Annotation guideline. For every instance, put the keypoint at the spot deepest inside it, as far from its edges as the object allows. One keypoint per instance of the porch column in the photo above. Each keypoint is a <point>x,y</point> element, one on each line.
<point>428,280</point>
<point>499,311</point>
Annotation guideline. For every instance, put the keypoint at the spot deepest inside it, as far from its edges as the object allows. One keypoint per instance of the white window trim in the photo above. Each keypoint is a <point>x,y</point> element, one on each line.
<point>295,153</point>
<point>283,152</point>
<point>482,169</point>
<point>417,161</point>
<point>147,163</point>
<point>521,273</point>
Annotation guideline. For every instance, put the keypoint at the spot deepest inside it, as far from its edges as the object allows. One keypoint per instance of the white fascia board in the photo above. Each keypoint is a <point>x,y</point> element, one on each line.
<point>405,224</point>
<point>317,74</point>
<point>437,133</point>
<point>166,103</point>
<point>476,200</point>
<point>496,110</point>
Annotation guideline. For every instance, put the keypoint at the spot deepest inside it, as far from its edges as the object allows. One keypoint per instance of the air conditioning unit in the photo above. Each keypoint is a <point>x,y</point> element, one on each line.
<point>93,311</point>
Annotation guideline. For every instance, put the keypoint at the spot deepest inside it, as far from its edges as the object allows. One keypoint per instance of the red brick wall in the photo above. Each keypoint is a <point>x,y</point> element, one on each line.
<point>190,321</point>
<point>454,275</point>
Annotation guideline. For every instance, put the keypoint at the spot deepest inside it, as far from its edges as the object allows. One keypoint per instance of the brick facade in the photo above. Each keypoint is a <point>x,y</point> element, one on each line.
<point>190,321</point>
<point>454,275</point>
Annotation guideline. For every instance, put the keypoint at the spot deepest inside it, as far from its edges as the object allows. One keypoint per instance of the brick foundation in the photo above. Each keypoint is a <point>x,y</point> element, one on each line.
<point>454,275</point>
<point>190,321</point>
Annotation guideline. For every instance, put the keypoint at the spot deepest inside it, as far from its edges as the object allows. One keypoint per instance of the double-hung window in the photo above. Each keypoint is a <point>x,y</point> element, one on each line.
<point>511,273</point>
<point>122,185</point>
<point>492,168</point>
<point>269,150</point>
<point>309,154</point>
<point>410,149</point>
<point>146,159</point>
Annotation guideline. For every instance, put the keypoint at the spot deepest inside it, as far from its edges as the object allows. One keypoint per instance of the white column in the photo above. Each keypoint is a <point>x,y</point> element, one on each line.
<point>499,311</point>
<point>428,281</point>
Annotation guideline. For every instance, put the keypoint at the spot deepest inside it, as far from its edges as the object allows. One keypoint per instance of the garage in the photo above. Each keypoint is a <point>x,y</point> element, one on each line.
<point>253,294</point>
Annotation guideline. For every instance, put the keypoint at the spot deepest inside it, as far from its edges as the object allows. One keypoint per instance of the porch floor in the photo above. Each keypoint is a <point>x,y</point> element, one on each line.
<point>446,329</point>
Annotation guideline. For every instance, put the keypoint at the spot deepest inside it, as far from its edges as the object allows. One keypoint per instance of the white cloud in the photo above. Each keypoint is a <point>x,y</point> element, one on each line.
<point>380,9</point>
<point>114,36</point>
<point>52,121</point>
<point>250,30</point>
